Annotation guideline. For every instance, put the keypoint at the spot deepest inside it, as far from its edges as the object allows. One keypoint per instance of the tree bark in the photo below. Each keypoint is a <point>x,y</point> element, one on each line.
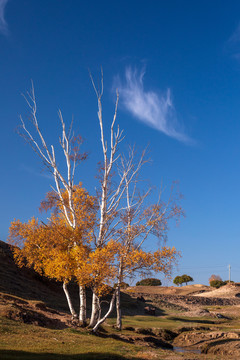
<point>95,311</point>
<point>82,307</point>
<point>118,308</point>
<point>69,301</point>
<point>111,307</point>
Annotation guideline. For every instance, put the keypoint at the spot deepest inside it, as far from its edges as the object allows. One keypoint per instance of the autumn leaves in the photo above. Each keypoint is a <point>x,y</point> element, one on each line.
<point>95,240</point>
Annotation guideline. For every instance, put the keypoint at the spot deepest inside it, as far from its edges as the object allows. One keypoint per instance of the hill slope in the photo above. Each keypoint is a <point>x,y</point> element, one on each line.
<point>27,284</point>
<point>226,291</point>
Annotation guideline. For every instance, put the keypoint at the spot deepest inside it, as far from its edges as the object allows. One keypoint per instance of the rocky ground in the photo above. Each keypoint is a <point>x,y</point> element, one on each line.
<point>220,308</point>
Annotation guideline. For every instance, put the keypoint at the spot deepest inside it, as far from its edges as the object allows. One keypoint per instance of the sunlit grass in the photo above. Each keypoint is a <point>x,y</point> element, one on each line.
<point>22,341</point>
<point>163,322</point>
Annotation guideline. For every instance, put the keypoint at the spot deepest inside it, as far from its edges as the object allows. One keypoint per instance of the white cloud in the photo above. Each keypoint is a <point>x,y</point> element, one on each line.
<point>153,109</point>
<point>3,23</point>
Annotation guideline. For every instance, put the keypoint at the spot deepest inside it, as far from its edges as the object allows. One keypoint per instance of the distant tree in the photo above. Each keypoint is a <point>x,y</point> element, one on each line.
<point>149,282</point>
<point>213,278</point>
<point>186,279</point>
<point>178,280</point>
<point>123,285</point>
<point>217,283</point>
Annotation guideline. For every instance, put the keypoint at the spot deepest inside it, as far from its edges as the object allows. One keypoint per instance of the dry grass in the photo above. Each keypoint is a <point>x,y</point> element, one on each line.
<point>170,290</point>
<point>226,291</point>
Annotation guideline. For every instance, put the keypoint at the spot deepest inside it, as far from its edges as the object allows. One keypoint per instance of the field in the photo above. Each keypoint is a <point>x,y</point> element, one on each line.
<point>191,322</point>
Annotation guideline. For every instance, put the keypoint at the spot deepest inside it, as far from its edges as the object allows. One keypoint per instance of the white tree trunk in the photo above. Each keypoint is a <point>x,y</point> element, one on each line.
<point>95,311</point>
<point>82,307</point>
<point>69,301</point>
<point>111,307</point>
<point>118,308</point>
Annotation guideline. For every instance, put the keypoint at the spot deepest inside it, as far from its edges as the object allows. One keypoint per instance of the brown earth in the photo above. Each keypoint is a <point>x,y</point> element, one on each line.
<point>221,305</point>
<point>29,298</point>
<point>33,312</point>
<point>231,291</point>
<point>211,342</point>
<point>26,283</point>
<point>187,302</point>
<point>170,290</point>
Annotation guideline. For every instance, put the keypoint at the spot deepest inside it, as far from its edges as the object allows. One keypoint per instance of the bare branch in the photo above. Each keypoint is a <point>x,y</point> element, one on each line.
<point>47,154</point>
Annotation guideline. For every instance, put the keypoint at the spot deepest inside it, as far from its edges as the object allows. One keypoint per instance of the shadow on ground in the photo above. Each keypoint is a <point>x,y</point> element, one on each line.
<point>24,355</point>
<point>192,320</point>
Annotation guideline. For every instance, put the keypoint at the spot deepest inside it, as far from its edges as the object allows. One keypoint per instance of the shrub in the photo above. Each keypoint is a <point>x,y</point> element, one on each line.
<point>149,282</point>
<point>217,283</point>
<point>123,285</point>
<point>214,277</point>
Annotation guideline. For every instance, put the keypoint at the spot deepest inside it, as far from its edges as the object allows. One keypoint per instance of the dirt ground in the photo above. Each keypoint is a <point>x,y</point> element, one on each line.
<point>170,290</point>
<point>211,317</point>
<point>221,308</point>
<point>220,339</point>
<point>33,312</point>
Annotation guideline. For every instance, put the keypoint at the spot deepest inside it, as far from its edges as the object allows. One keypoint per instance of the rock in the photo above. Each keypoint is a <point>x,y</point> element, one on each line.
<point>141,298</point>
<point>158,342</point>
<point>144,331</point>
<point>40,306</point>
<point>165,334</point>
<point>128,328</point>
<point>232,335</point>
<point>150,310</point>
<point>223,348</point>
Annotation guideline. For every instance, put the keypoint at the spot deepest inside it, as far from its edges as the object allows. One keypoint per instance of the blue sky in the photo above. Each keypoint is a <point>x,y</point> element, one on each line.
<point>177,67</point>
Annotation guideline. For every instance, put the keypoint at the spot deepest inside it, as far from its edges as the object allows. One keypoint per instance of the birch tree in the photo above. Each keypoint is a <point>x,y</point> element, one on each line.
<point>135,223</point>
<point>121,217</point>
<point>53,248</point>
<point>63,179</point>
<point>123,222</point>
<point>109,196</point>
<point>141,221</point>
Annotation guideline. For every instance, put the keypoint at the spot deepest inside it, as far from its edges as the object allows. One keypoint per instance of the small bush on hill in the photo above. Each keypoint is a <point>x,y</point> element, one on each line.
<point>217,283</point>
<point>149,282</point>
<point>214,277</point>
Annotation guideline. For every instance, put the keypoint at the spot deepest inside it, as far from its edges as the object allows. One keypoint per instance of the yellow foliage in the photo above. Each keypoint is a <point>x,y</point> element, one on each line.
<point>48,248</point>
<point>64,253</point>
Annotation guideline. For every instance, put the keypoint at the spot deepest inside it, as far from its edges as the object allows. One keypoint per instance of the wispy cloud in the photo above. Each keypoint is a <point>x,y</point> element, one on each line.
<point>232,45</point>
<point>3,23</point>
<point>32,171</point>
<point>155,110</point>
